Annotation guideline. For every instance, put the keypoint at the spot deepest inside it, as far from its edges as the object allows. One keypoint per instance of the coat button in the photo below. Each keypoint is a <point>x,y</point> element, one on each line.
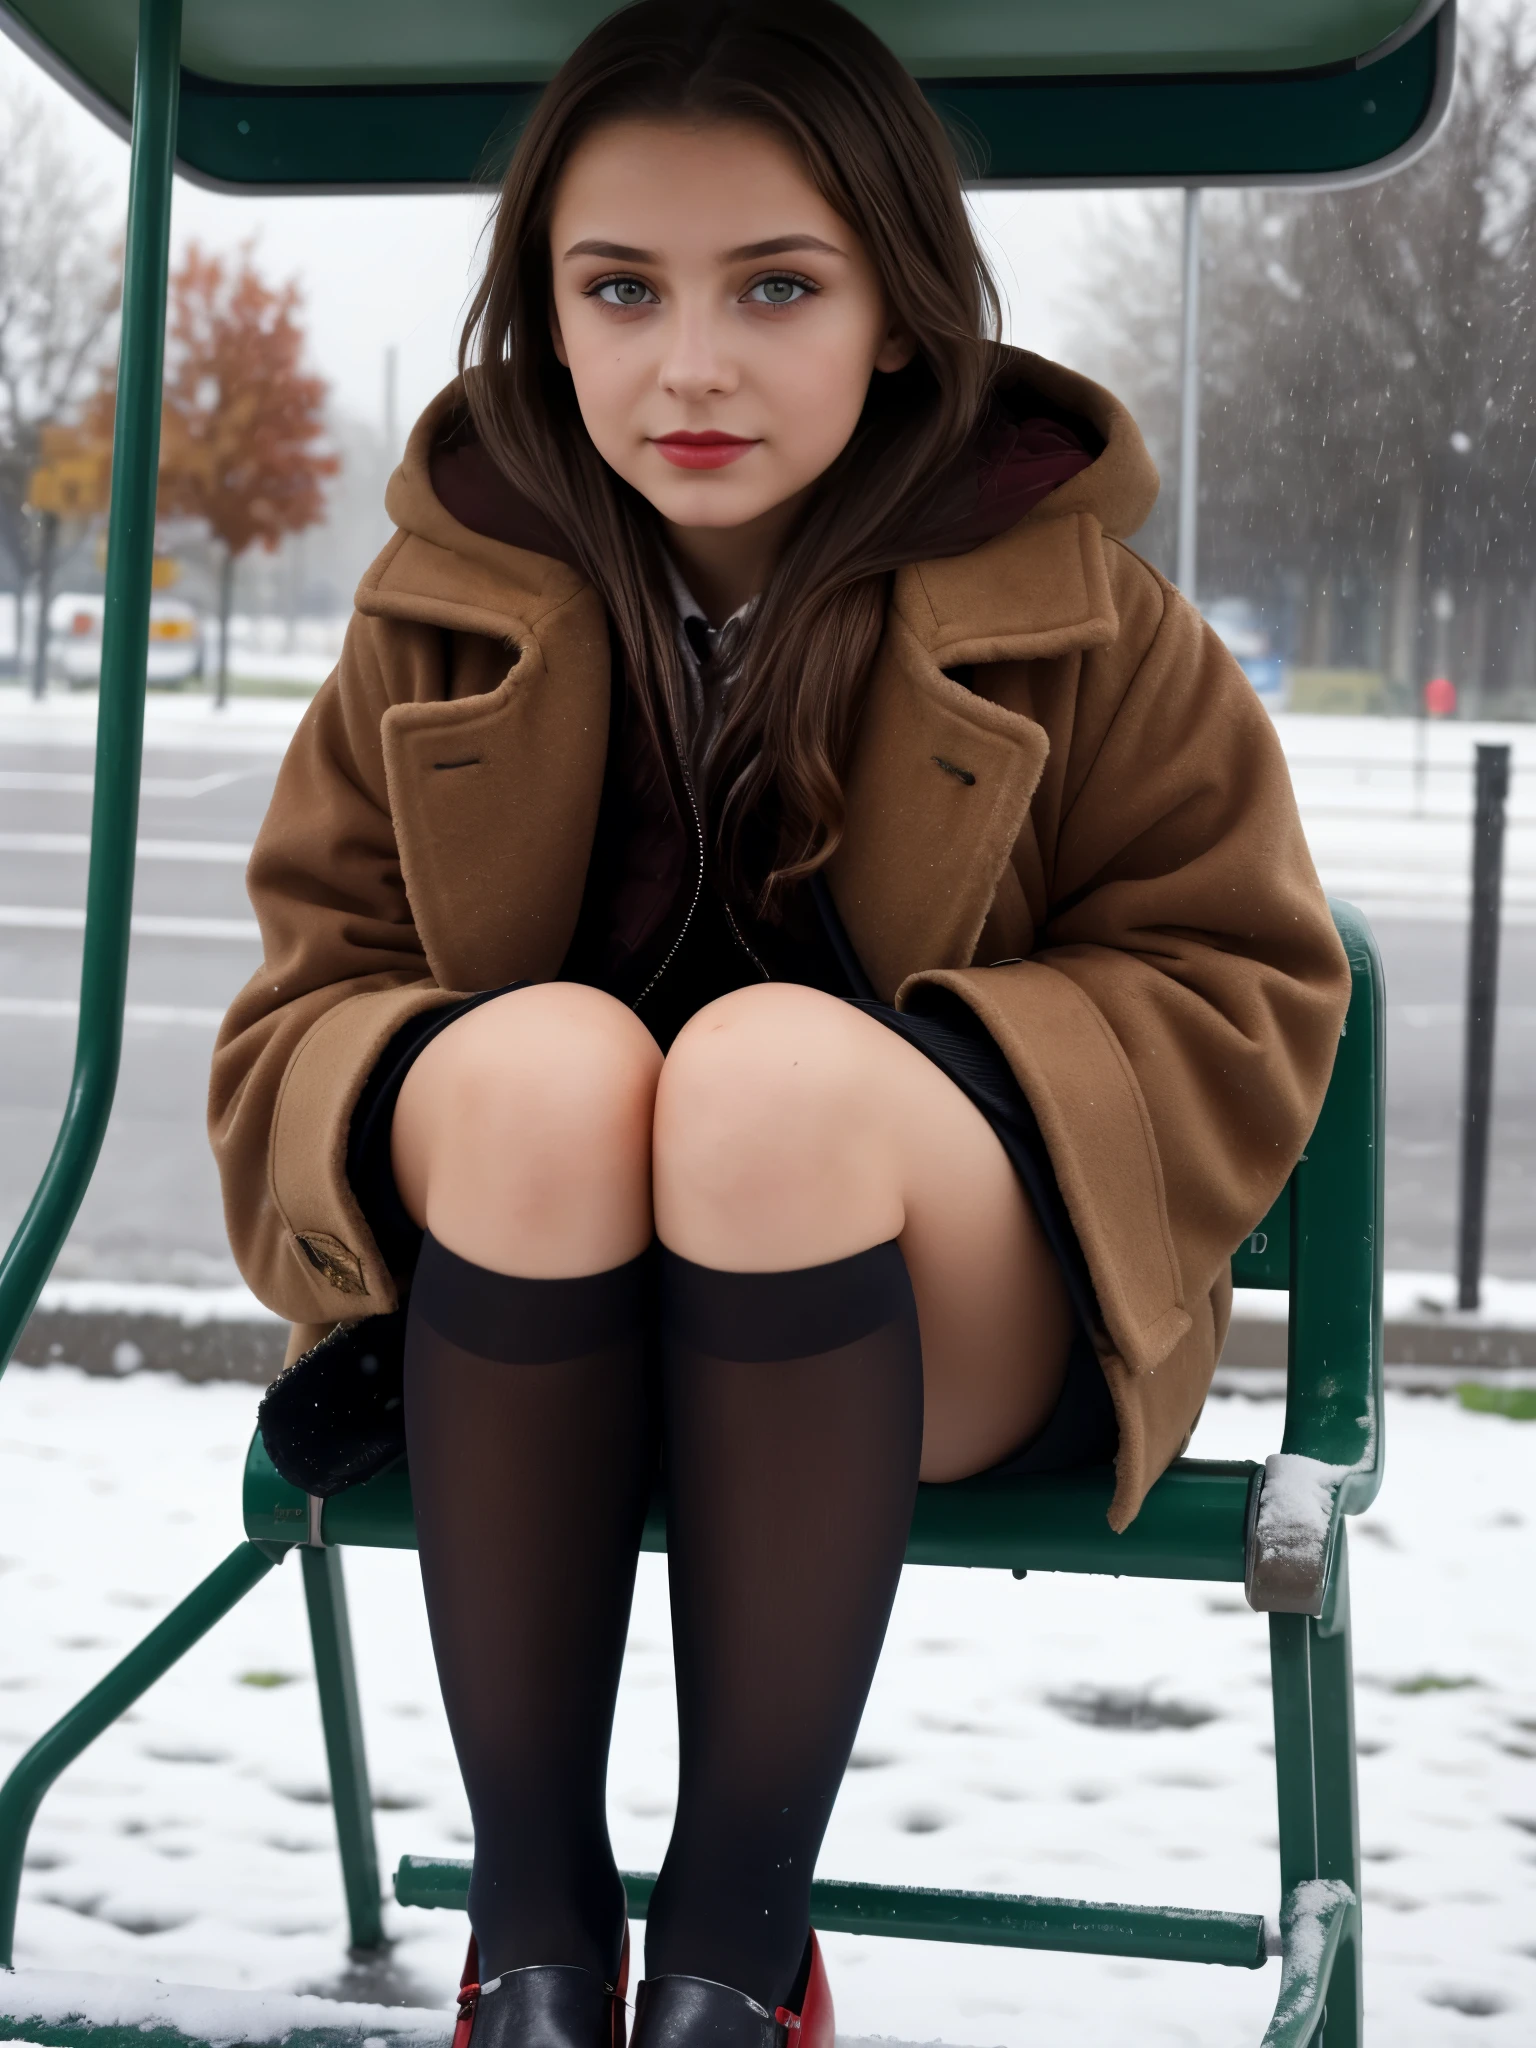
<point>332,1260</point>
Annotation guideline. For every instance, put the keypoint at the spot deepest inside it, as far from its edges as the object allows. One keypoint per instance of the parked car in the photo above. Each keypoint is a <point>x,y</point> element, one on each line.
<point>1237,623</point>
<point>74,642</point>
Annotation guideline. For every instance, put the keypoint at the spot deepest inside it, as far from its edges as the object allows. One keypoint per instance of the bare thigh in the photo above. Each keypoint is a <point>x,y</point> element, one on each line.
<point>791,1130</point>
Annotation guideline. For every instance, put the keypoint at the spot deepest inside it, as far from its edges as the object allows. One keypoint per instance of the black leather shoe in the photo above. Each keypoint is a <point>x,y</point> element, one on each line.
<point>691,2012</point>
<point>548,2005</point>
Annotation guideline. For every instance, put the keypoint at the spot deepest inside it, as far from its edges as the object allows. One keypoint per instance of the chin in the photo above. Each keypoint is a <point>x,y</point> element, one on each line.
<point>696,507</point>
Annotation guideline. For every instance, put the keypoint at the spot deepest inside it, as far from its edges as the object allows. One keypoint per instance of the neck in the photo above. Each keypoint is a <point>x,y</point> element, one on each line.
<point>724,566</point>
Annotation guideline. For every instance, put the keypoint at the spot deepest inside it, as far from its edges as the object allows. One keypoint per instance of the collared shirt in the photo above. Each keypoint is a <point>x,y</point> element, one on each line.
<point>703,645</point>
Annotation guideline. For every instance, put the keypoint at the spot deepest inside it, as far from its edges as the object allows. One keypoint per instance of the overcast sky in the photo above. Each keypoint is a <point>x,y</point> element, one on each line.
<point>397,271</point>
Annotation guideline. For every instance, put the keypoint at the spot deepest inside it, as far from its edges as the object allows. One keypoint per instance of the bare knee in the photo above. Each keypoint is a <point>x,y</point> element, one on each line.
<point>522,1134</point>
<point>770,1148</point>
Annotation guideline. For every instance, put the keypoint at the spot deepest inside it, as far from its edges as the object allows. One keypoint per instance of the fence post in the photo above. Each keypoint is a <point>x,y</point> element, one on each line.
<point>1482,1003</point>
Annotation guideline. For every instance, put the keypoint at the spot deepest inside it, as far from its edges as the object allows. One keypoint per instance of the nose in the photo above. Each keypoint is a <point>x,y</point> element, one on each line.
<point>696,362</point>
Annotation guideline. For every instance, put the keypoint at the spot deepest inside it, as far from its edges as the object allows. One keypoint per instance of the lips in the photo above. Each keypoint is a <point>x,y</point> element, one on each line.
<point>702,451</point>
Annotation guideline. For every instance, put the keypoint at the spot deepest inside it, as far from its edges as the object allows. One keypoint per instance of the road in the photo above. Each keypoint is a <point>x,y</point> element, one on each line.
<point>153,1211</point>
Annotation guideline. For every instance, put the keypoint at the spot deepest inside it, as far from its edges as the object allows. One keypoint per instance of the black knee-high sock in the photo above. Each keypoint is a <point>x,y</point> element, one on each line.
<point>531,1450</point>
<point>792,1428</point>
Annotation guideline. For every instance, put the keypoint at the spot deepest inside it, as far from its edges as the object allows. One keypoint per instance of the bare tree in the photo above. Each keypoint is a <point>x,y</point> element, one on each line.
<point>1369,385</point>
<point>59,288</point>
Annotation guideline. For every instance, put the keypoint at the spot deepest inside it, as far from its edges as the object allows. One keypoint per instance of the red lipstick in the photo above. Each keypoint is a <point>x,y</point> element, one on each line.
<point>702,451</point>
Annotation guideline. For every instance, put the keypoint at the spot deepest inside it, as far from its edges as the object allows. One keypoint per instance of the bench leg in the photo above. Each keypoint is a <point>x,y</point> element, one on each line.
<point>1315,1779</point>
<point>1338,1796</point>
<point>22,1793</point>
<point>351,1799</point>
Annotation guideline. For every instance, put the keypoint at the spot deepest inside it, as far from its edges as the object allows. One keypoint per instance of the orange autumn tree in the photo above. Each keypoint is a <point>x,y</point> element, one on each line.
<point>243,428</point>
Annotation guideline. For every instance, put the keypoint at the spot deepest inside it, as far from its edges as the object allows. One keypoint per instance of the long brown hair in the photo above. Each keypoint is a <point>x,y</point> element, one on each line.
<point>876,152</point>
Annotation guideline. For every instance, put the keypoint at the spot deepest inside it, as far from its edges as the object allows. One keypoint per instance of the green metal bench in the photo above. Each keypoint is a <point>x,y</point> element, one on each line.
<point>383,95</point>
<point>1277,1529</point>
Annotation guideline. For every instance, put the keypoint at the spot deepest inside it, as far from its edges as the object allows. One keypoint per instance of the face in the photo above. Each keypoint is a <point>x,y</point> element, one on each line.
<point>720,321</point>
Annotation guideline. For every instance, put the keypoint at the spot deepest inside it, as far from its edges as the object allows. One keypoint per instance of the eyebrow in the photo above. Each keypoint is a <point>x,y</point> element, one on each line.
<point>777,245</point>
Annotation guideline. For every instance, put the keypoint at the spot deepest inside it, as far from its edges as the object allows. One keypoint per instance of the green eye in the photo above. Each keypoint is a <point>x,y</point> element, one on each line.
<point>624,291</point>
<point>779,291</point>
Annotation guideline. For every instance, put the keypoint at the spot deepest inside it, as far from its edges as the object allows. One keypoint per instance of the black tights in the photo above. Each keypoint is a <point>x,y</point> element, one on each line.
<point>789,1407</point>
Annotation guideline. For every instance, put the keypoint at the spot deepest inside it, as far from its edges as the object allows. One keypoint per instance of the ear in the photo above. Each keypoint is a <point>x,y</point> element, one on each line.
<point>896,350</point>
<point>556,337</point>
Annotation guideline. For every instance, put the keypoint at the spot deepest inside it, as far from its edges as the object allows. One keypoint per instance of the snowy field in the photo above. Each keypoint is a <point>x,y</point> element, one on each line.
<point>194,1845</point>
<point>1387,804</point>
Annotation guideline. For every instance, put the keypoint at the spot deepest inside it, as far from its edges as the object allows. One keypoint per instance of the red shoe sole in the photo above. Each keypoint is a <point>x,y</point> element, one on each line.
<point>814,2025</point>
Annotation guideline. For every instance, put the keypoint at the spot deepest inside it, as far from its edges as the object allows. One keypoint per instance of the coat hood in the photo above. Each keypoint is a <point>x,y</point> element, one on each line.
<point>1052,445</point>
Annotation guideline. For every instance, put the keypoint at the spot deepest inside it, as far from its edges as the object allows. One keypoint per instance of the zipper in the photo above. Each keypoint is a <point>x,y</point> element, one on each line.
<point>698,891</point>
<point>698,887</point>
<point>736,934</point>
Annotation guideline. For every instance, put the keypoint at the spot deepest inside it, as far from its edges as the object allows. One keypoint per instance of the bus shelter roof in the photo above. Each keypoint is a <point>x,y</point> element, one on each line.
<point>392,95</point>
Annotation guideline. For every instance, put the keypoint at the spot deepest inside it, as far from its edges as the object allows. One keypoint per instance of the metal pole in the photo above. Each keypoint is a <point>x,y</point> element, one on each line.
<point>120,710</point>
<point>391,379</point>
<point>1482,1002</point>
<point>330,1633</point>
<point>1189,414</point>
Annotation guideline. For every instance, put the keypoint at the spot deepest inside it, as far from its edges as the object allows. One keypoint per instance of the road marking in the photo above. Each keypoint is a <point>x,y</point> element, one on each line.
<point>48,782</point>
<point>62,1010</point>
<point>30,917</point>
<point>1425,909</point>
<point>1429,886</point>
<point>235,851</point>
<point>1425,1016</point>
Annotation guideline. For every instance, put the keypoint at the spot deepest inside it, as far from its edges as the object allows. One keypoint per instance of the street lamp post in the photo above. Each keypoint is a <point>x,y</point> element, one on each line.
<point>1189,415</point>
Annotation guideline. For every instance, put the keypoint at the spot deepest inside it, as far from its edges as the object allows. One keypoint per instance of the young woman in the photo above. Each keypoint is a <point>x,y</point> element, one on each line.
<point>788,945</point>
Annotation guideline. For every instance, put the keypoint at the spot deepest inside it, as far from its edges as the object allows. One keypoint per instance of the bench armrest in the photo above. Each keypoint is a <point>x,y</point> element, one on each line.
<point>1330,1459</point>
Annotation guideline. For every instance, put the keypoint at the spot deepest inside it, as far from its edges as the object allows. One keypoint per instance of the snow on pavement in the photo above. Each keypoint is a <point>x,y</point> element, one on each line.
<point>1395,837</point>
<point>1098,1738</point>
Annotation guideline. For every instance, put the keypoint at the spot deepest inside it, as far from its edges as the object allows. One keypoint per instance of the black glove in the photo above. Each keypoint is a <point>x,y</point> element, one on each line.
<point>337,1415</point>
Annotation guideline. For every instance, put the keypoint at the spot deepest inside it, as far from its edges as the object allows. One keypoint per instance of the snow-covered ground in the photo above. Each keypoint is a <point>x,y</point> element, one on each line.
<point>1406,1296</point>
<point>193,1844</point>
<point>272,650</point>
<point>262,649</point>
<point>175,720</point>
<point>1387,804</point>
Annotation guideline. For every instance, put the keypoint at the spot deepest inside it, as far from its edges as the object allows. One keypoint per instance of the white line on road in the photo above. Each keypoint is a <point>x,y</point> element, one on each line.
<point>1424,909</point>
<point>61,1010</point>
<point>1425,1016</point>
<point>31,917</point>
<point>51,783</point>
<point>235,851</point>
<point>1429,886</point>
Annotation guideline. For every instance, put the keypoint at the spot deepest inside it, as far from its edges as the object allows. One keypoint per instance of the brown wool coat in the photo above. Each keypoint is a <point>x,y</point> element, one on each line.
<point>1117,884</point>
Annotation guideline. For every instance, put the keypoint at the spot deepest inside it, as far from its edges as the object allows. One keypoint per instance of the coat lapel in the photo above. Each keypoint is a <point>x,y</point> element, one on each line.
<point>495,796</point>
<point>937,793</point>
<point>941,778</point>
